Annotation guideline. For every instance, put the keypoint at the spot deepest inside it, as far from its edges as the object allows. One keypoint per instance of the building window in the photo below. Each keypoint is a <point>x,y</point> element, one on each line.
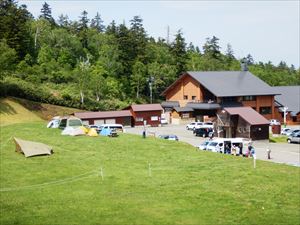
<point>193,97</point>
<point>154,118</point>
<point>185,97</point>
<point>139,119</point>
<point>185,115</point>
<point>229,99</point>
<point>249,98</point>
<point>265,110</point>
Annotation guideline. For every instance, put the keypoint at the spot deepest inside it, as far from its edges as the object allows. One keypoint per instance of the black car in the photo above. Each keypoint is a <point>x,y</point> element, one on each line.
<point>203,132</point>
<point>169,137</point>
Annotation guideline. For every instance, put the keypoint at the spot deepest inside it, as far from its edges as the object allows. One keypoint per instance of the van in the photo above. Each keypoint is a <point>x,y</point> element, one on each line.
<point>117,127</point>
<point>224,145</point>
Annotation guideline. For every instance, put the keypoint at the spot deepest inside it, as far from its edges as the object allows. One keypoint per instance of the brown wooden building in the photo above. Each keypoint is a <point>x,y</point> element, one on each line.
<point>123,117</point>
<point>209,92</point>
<point>150,114</point>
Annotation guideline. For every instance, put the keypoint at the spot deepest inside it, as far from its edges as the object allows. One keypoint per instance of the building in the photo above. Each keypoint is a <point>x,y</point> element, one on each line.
<point>209,92</point>
<point>123,117</point>
<point>289,98</point>
<point>242,122</point>
<point>146,114</point>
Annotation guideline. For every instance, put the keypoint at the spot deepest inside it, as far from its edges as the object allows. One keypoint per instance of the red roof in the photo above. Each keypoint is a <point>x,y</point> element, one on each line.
<point>103,114</point>
<point>146,107</point>
<point>248,114</point>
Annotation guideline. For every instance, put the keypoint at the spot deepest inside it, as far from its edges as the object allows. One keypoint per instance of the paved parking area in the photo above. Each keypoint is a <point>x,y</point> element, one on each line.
<point>280,152</point>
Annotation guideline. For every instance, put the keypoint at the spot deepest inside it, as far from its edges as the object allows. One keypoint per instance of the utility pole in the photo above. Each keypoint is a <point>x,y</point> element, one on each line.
<point>150,80</point>
<point>284,115</point>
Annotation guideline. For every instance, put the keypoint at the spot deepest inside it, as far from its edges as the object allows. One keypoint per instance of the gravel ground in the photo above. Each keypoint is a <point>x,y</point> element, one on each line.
<point>280,152</point>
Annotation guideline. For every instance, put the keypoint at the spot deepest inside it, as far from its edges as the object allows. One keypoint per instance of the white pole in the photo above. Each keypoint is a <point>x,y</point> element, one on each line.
<point>149,170</point>
<point>254,161</point>
<point>101,173</point>
<point>284,115</point>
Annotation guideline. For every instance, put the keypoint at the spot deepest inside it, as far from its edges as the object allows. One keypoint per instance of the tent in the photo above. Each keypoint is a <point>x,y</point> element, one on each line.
<point>105,132</point>
<point>92,132</point>
<point>30,148</point>
<point>73,131</point>
<point>70,121</point>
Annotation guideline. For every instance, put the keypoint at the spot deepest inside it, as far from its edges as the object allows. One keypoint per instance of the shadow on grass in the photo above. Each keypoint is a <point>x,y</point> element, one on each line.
<point>5,108</point>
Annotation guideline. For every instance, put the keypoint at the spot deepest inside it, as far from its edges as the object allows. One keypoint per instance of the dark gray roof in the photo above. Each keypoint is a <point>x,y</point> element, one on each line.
<point>203,106</point>
<point>170,104</point>
<point>232,83</point>
<point>290,97</point>
<point>183,109</point>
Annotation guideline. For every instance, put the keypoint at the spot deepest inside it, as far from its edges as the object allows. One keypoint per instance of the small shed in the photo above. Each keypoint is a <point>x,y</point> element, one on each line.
<point>245,122</point>
<point>106,117</point>
<point>150,113</point>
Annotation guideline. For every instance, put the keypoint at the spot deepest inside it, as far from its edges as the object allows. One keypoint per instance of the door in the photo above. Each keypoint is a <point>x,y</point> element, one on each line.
<point>98,122</point>
<point>110,121</point>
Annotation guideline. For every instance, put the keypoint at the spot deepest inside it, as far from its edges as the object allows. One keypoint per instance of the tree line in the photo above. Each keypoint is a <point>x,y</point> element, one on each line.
<point>85,64</point>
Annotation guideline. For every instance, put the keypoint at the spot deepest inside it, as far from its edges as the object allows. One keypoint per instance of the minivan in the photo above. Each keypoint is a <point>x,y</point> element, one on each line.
<point>224,145</point>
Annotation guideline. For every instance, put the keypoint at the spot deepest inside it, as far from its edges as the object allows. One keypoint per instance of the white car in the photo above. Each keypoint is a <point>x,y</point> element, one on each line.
<point>163,121</point>
<point>204,125</point>
<point>192,125</point>
<point>285,131</point>
<point>274,122</point>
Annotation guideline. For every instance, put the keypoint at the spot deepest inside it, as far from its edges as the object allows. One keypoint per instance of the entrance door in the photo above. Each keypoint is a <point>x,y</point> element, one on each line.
<point>110,121</point>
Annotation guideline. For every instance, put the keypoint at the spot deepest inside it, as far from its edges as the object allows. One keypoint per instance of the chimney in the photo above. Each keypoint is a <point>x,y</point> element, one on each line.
<point>244,66</point>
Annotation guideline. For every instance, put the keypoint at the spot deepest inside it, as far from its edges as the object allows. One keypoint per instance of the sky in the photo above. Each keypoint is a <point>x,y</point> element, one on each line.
<point>268,30</point>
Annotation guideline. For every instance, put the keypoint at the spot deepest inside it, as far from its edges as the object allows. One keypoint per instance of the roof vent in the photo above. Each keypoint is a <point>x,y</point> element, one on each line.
<point>244,66</point>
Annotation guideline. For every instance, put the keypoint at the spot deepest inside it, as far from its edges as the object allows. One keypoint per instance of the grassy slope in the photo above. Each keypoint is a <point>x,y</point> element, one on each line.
<point>186,186</point>
<point>15,110</point>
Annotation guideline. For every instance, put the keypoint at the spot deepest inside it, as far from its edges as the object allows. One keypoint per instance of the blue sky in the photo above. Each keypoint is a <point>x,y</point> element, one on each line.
<point>268,30</point>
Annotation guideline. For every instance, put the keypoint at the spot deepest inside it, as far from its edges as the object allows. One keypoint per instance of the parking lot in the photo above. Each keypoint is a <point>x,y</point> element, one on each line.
<point>280,152</point>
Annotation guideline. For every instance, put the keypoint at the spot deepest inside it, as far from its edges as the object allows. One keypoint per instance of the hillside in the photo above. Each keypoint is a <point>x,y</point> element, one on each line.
<point>16,110</point>
<point>185,186</point>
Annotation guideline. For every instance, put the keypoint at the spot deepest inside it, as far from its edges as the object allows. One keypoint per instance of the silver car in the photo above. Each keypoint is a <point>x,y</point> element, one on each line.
<point>294,138</point>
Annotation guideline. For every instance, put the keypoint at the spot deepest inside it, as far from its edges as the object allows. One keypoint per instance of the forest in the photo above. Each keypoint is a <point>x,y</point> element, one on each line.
<point>89,65</point>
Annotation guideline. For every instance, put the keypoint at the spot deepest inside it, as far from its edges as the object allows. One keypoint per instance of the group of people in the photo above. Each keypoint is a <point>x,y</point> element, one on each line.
<point>237,149</point>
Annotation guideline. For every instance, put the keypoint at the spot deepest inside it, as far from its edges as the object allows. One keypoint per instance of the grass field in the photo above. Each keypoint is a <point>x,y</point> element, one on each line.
<point>185,187</point>
<point>16,110</point>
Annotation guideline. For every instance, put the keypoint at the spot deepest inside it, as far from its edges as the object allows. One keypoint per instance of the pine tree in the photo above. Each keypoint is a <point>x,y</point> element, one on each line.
<point>211,48</point>
<point>178,49</point>
<point>83,28</point>
<point>229,52</point>
<point>112,28</point>
<point>97,23</point>
<point>138,37</point>
<point>249,59</point>
<point>63,21</point>
<point>46,13</point>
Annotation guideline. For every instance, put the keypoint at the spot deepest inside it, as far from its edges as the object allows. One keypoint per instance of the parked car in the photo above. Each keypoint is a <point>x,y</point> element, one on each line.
<point>294,132</point>
<point>294,138</point>
<point>204,144</point>
<point>171,137</point>
<point>97,127</point>
<point>224,145</point>
<point>116,127</point>
<point>204,125</point>
<point>285,131</point>
<point>163,121</point>
<point>192,125</point>
<point>203,131</point>
<point>274,122</point>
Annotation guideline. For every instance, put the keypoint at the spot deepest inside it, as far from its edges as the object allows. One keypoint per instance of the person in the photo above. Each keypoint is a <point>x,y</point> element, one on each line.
<point>210,135</point>
<point>249,150</point>
<point>237,150</point>
<point>233,150</point>
<point>269,153</point>
<point>252,152</point>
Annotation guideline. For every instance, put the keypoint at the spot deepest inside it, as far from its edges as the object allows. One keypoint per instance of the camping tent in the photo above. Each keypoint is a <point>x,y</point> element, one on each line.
<point>30,148</point>
<point>105,132</point>
<point>70,121</point>
<point>73,131</point>
<point>92,132</point>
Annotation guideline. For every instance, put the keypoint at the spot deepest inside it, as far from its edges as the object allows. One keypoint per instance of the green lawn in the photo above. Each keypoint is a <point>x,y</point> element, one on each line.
<point>186,186</point>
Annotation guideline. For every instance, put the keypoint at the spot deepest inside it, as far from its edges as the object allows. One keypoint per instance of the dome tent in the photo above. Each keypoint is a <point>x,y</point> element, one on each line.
<point>70,121</point>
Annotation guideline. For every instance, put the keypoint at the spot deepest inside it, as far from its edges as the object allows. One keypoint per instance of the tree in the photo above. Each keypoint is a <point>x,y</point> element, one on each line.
<point>63,21</point>
<point>229,52</point>
<point>83,27</point>
<point>83,77</point>
<point>138,77</point>
<point>97,23</point>
<point>8,58</point>
<point>46,13</point>
<point>98,82</point>
<point>14,27</point>
<point>178,49</point>
<point>249,59</point>
<point>112,28</point>
<point>211,48</point>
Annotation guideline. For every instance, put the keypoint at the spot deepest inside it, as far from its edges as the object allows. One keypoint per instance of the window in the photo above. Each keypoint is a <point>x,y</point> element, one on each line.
<point>185,115</point>
<point>139,119</point>
<point>185,97</point>
<point>154,118</point>
<point>265,110</point>
<point>193,97</point>
<point>229,99</point>
<point>249,98</point>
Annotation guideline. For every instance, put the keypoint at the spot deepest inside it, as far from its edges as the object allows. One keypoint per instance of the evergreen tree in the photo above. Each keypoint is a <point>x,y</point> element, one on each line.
<point>111,28</point>
<point>178,49</point>
<point>63,21</point>
<point>211,48</point>
<point>229,52</point>
<point>97,23</point>
<point>249,59</point>
<point>46,13</point>
<point>83,28</point>
<point>14,27</point>
<point>138,38</point>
